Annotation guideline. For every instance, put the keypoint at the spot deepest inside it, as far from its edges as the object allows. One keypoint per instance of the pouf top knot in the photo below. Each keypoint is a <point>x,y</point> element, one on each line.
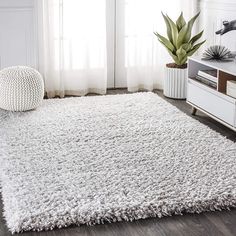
<point>21,88</point>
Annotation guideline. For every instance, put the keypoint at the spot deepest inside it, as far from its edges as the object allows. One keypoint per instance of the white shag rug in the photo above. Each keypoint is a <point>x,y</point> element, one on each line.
<point>92,160</point>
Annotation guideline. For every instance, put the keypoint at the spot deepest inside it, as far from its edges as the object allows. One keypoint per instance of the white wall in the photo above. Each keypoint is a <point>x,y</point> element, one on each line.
<point>17,33</point>
<point>213,13</point>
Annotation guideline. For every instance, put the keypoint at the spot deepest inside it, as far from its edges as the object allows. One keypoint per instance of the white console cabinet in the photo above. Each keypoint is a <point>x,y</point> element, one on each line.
<point>213,102</point>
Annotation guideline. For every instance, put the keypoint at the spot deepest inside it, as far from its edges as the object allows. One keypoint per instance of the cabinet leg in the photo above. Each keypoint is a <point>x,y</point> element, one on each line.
<point>194,111</point>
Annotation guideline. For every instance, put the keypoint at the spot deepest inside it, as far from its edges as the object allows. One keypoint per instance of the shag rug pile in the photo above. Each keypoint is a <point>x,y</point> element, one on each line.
<point>92,160</point>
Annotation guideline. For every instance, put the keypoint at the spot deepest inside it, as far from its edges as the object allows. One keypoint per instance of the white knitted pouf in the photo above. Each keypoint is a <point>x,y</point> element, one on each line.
<point>21,88</point>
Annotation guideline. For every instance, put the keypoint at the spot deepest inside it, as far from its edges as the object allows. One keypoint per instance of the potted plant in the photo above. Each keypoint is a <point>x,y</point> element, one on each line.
<point>180,45</point>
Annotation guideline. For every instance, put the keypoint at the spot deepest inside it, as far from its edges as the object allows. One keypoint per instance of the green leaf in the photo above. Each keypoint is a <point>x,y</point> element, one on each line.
<point>184,60</point>
<point>190,27</point>
<point>165,41</point>
<point>186,46</point>
<point>186,31</point>
<point>195,48</point>
<point>174,57</point>
<point>181,37</point>
<point>164,45</point>
<point>168,28</point>
<point>174,30</point>
<point>196,37</point>
<point>181,53</point>
<point>180,22</point>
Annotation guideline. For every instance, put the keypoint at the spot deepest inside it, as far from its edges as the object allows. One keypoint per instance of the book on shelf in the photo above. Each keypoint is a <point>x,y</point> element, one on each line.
<point>206,81</point>
<point>209,74</point>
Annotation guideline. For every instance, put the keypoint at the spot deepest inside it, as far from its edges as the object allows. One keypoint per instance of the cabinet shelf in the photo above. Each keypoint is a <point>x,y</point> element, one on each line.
<point>194,78</point>
<point>212,101</point>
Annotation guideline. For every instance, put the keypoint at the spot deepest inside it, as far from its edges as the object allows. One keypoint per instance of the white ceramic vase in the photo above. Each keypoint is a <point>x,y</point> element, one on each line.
<point>175,83</point>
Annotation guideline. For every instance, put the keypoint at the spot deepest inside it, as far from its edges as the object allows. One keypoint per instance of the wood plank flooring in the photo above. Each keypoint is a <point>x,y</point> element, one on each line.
<point>205,224</point>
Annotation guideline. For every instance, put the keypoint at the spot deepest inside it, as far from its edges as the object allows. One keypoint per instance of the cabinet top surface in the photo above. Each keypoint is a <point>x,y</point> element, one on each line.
<point>228,67</point>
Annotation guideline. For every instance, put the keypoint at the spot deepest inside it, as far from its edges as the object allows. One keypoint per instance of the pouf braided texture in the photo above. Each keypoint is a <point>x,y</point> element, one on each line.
<point>21,88</point>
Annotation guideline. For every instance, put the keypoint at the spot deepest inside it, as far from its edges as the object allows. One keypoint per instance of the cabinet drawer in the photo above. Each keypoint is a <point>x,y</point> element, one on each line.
<point>208,100</point>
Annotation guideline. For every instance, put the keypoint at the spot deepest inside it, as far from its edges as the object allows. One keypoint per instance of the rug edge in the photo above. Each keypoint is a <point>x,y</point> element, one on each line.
<point>151,210</point>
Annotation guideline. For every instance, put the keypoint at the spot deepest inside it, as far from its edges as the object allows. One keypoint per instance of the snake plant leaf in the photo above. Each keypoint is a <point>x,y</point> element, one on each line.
<point>181,37</point>
<point>168,28</point>
<point>196,37</point>
<point>195,48</point>
<point>185,33</point>
<point>165,41</point>
<point>190,27</point>
<point>175,58</point>
<point>184,60</point>
<point>187,46</point>
<point>180,22</point>
<point>174,30</point>
<point>181,53</point>
<point>164,45</point>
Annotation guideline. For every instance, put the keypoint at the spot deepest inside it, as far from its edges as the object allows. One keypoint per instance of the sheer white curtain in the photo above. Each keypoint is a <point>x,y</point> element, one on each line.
<point>145,58</point>
<point>72,46</point>
<point>73,43</point>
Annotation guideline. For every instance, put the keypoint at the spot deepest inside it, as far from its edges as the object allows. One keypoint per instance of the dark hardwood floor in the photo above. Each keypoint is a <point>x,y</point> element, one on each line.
<point>205,224</point>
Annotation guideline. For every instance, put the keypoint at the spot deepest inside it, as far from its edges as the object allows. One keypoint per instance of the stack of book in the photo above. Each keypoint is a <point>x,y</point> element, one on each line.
<point>208,77</point>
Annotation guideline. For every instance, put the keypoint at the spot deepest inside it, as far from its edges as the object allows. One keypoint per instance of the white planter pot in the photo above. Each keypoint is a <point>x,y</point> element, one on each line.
<point>175,83</point>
